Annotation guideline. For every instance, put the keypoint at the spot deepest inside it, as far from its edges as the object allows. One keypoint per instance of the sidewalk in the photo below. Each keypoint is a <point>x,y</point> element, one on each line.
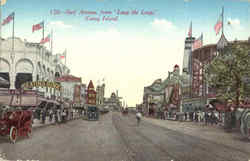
<point>213,133</point>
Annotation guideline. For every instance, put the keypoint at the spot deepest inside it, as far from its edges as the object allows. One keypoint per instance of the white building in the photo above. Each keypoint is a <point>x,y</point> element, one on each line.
<point>100,92</point>
<point>28,62</point>
<point>71,88</point>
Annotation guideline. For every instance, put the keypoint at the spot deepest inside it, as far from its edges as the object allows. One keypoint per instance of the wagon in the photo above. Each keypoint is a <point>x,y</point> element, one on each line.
<point>16,123</point>
<point>93,113</point>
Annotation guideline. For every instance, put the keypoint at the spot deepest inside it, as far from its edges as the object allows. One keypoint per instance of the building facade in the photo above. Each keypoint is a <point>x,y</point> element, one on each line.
<point>71,88</point>
<point>199,92</point>
<point>163,95</point>
<point>114,101</point>
<point>29,62</point>
<point>91,94</point>
<point>100,92</point>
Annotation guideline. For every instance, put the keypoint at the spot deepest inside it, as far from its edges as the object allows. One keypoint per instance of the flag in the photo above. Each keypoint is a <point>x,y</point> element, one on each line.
<point>190,30</point>
<point>3,2</point>
<point>218,25</point>
<point>198,42</point>
<point>37,26</point>
<point>63,55</point>
<point>46,39</point>
<point>9,18</point>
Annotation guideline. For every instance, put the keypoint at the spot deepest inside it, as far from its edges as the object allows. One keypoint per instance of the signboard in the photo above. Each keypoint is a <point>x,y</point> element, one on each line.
<point>47,84</point>
<point>78,105</point>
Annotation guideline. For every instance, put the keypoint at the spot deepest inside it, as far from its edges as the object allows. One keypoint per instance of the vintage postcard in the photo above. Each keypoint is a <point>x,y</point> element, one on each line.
<point>125,80</point>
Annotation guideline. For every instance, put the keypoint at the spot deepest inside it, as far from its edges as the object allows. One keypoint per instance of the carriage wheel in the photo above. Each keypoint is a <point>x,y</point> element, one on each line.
<point>248,126</point>
<point>13,134</point>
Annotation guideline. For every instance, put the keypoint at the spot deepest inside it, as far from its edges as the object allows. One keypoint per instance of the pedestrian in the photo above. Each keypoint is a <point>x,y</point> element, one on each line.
<point>206,118</point>
<point>138,117</point>
<point>56,116</point>
<point>50,115</point>
<point>43,116</point>
<point>185,116</point>
<point>71,114</point>
<point>39,114</point>
<point>212,118</point>
<point>63,115</point>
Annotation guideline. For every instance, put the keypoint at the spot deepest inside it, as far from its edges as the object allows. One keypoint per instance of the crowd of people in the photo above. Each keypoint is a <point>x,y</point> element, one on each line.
<point>57,115</point>
<point>209,116</point>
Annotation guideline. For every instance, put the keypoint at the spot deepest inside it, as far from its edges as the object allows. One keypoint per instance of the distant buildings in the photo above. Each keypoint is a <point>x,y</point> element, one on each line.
<point>163,95</point>
<point>71,88</point>
<point>114,101</point>
<point>91,94</point>
<point>100,92</point>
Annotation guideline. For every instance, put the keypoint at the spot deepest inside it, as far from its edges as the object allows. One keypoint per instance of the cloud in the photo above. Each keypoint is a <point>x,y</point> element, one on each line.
<point>235,23</point>
<point>59,24</point>
<point>163,25</point>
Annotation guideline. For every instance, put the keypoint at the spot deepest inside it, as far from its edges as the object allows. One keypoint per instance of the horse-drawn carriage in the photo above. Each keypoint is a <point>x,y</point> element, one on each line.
<point>15,123</point>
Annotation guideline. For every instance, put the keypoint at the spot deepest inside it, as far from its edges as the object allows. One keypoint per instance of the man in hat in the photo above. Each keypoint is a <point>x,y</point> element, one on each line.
<point>230,115</point>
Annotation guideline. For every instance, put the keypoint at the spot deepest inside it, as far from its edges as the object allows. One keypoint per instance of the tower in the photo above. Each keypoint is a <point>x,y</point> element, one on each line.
<point>186,66</point>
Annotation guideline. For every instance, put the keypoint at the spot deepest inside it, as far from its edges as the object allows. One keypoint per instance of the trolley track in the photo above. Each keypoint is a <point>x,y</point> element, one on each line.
<point>137,148</point>
<point>174,145</point>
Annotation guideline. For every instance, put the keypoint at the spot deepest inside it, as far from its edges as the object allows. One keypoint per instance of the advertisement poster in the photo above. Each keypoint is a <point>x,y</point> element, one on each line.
<point>146,53</point>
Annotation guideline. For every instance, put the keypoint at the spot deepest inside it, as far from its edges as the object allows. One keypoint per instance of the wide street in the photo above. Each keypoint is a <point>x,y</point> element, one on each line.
<point>117,138</point>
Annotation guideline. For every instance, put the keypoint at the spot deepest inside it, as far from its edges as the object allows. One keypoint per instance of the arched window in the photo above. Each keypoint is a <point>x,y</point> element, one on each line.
<point>57,74</point>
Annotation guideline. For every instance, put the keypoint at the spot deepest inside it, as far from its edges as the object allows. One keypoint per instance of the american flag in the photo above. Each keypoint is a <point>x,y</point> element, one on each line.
<point>9,18</point>
<point>46,39</point>
<point>218,25</point>
<point>198,42</point>
<point>37,26</point>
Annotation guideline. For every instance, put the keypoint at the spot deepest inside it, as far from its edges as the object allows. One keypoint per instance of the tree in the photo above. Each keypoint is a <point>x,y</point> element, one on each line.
<point>228,70</point>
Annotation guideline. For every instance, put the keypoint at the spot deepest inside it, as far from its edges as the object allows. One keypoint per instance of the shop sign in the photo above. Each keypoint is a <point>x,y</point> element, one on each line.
<point>47,84</point>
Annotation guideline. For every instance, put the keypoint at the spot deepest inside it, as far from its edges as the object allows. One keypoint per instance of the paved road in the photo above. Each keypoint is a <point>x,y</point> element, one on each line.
<point>78,140</point>
<point>151,142</point>
<point>118,138</point>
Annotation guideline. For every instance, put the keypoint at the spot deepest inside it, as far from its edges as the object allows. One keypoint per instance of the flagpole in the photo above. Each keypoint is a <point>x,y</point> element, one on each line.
<point>65,56</point>
<point>0,31</point>
<point>42,44</point>
<point>191,29</point>
<point>51,43</point>
<point>43,30</point>
<point>12,53</point>
<point>13,35</point>
<point>223,20</point>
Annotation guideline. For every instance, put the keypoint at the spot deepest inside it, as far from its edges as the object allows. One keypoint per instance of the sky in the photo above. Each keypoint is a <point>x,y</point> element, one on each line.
<point>136,43</point>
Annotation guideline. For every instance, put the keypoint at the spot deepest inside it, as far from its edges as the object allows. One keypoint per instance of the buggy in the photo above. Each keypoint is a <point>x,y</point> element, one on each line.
<point>16,123</point>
